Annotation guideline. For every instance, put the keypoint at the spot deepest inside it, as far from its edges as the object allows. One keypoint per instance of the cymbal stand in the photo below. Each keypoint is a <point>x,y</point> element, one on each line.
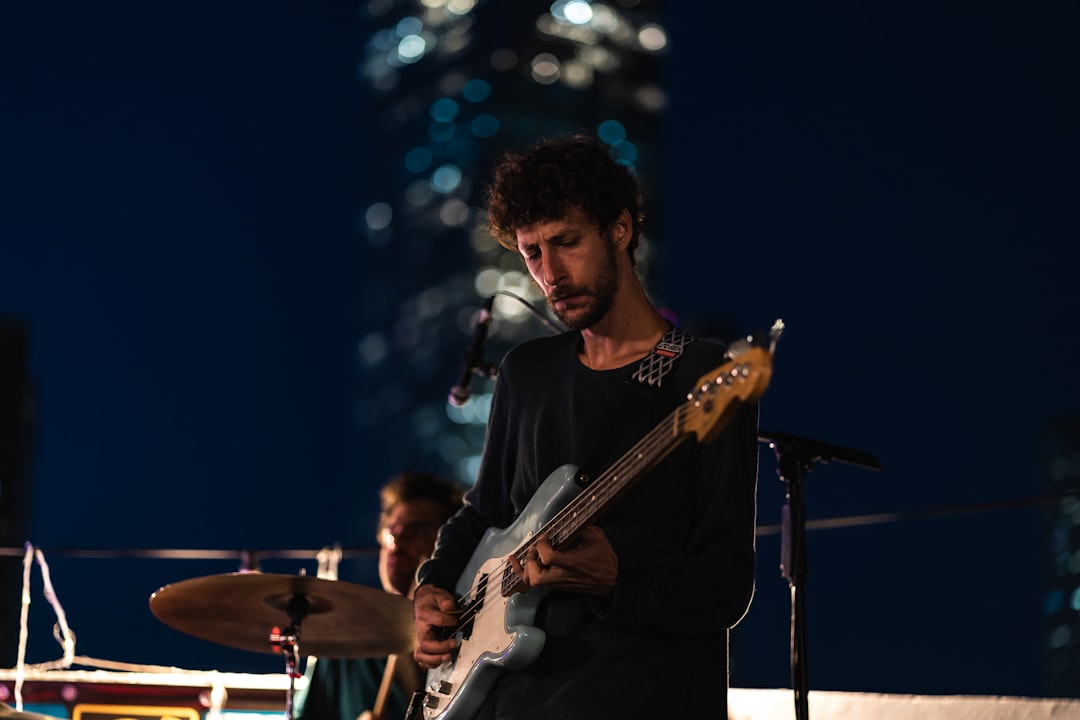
<point>287,643</point>
<point>795,457</point>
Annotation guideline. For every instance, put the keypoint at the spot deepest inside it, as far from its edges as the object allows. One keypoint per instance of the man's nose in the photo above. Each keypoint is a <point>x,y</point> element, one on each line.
<point>551,272</point>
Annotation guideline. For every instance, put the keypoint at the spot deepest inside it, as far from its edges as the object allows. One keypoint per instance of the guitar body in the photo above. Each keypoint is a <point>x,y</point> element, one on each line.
<point>501,637</point>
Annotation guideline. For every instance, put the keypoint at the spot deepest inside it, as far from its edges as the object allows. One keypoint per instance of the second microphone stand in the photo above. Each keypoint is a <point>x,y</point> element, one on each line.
<point>795,457</point>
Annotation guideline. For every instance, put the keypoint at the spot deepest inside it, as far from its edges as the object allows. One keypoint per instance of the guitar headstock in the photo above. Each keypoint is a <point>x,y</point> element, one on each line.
<point>720,392</point>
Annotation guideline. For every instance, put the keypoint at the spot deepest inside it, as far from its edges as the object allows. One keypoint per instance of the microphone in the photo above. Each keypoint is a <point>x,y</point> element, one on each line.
<point>474,356</point>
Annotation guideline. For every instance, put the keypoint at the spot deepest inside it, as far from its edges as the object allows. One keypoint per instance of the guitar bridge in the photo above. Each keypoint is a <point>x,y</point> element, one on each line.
<point>436,694</point>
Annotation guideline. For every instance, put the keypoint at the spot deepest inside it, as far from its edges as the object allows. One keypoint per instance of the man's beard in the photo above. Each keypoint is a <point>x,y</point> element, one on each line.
<point>600,299</point>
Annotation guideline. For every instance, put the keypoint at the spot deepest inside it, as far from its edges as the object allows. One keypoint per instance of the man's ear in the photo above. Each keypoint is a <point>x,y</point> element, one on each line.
<point>622,230</point>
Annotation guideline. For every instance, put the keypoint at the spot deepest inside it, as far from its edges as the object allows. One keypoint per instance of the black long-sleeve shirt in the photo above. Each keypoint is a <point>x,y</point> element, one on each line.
<point>683,535</point>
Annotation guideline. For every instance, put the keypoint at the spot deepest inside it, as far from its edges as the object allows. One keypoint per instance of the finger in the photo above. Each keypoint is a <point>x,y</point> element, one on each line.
<point>435,645</point>
<point>534,555</point>
<point>543,545</point>
<point>434,617</point>
<point>522,570</point>
<point>546,554</point>
<point>429,661</point>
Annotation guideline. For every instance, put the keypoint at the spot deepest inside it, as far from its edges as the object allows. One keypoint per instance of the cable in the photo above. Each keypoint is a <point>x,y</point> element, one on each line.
<point>539,315</point>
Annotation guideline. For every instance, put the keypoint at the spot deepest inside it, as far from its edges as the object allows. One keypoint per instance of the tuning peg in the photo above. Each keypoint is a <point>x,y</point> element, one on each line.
<point>775,333</point>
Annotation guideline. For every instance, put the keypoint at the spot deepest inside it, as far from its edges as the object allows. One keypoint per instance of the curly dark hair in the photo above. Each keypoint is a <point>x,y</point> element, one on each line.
<point>557,174</point>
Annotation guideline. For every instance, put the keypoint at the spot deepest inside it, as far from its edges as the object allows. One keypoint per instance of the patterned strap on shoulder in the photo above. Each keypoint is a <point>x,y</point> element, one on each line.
<point>658,363</point>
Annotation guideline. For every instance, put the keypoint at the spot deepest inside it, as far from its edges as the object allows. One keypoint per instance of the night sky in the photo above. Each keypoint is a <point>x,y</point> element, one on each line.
<point>897,182</point>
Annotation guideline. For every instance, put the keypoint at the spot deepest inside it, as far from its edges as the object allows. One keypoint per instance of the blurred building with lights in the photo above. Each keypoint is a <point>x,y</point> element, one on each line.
<point>1062,601</point>
<point>452,83</point>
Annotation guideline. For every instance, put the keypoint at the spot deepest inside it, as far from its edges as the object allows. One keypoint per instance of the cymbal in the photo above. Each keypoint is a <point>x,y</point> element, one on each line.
<point>342,620</point>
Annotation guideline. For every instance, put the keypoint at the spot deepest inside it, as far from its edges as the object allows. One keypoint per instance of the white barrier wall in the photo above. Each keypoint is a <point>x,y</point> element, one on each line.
<point>753,704</point>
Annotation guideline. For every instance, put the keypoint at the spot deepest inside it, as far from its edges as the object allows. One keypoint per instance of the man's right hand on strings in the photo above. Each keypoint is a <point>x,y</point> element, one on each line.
<point>434,609</point>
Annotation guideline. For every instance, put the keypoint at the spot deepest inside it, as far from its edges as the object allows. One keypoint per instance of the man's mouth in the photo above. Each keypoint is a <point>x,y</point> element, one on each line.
<point>563,297</point>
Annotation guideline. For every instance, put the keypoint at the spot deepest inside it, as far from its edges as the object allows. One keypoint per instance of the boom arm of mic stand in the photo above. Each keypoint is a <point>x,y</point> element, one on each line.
<point>807,451</point>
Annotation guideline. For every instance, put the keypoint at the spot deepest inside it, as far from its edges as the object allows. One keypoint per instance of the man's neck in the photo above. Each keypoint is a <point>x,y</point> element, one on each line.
<point>627,333</point>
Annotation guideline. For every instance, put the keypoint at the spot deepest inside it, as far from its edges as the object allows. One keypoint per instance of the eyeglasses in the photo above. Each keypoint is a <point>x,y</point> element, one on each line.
<point>408,533</point>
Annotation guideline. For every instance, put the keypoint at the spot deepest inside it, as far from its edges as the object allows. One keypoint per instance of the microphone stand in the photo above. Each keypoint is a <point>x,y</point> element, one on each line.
<point>795,457</point>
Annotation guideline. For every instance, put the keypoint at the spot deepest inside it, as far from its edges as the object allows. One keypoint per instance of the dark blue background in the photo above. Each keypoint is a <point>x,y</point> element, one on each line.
<point>897,182</point>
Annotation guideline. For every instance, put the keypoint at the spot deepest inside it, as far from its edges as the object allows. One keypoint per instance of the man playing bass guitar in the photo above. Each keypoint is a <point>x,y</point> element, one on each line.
<point>627,616</point>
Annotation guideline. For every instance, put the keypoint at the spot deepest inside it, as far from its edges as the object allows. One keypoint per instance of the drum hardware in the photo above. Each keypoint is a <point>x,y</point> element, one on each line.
<point>329,618</point>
